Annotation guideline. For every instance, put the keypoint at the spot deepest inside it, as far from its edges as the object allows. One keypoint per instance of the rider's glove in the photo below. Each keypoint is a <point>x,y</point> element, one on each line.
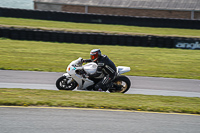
<point>83,61</point>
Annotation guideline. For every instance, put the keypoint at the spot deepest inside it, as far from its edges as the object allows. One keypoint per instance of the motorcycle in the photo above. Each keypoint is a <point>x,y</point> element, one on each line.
<point>75,78</point>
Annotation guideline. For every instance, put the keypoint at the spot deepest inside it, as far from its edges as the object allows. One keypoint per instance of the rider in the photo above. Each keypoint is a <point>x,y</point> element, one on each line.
<point>106,69</point>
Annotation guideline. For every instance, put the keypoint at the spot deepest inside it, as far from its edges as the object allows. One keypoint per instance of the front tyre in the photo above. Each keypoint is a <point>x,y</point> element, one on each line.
<point>61,84</point>
<point>121,85</point>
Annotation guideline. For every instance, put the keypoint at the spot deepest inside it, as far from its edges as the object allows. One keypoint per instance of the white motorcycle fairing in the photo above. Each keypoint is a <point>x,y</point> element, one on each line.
<point>90,68</point>
<point>122,69</point>
<point>75,76</point>
<point>71,74</point>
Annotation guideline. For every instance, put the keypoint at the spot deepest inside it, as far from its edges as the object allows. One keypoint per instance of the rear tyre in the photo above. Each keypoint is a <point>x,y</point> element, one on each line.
<point>120,85</point>
<point>61,84</point>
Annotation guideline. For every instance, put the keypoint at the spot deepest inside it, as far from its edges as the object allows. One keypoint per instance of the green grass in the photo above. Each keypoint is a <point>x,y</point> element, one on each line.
<point>144,61</point>
<point>27,97</point>
<point>46,56</point>
<point>85,27</point>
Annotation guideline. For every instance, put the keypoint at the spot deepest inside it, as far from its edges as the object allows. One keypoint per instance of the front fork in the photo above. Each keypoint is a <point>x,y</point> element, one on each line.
<point>70,79</point>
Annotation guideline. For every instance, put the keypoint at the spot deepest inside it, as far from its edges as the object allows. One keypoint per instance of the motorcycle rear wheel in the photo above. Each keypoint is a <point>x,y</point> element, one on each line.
<point>123,83</point>
<point>61,84</point>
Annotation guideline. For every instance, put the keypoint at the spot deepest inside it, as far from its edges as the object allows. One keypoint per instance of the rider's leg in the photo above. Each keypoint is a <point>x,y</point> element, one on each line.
<point>103,83</point>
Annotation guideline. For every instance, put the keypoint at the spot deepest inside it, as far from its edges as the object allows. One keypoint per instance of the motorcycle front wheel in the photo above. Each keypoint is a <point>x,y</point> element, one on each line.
<point>121,85</point>
<point>62,84</point>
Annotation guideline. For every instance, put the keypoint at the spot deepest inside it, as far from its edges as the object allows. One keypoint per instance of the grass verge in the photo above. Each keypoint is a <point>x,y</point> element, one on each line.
<point>80,99</point>
<point>144,61</point>
<point>104,28</point>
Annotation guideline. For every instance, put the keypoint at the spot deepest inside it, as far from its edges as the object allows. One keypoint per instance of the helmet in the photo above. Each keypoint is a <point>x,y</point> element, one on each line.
<point>95,54</point>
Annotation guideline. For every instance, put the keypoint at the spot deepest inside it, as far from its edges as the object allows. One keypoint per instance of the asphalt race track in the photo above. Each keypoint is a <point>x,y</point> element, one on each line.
<point>139,85</point>
<point>52,120</point>
<point>71,120</point>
